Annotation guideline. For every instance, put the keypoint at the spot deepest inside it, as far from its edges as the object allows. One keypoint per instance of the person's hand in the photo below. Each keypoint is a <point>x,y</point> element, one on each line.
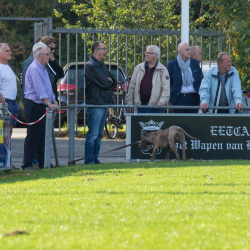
<point>160,104</point>
<point>239,106</point>
<point>54,106</point>
<point>130,110</point>
<point>204,106</point>
<point>2,100</point>
<point>51,56</point>
<point>110,79</point>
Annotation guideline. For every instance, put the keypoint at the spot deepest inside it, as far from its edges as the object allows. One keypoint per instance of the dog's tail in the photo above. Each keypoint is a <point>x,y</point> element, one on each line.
<point>188,135</point>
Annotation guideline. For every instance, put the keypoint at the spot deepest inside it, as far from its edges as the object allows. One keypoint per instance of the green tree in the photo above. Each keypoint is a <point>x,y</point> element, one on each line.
<point>135,14</point>
<point>20,34</point>
<point>232,17</point>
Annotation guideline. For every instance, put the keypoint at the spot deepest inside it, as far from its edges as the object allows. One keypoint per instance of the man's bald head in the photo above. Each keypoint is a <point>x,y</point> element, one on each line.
<point>184,51</point>
<point>196,53</point>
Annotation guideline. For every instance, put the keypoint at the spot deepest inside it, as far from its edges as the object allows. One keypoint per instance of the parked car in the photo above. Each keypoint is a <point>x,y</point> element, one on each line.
<point>71,73</point>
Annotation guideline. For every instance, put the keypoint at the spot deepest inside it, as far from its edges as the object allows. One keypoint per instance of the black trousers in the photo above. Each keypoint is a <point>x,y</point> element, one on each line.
<point>189,100</point>
<point>35,140</point>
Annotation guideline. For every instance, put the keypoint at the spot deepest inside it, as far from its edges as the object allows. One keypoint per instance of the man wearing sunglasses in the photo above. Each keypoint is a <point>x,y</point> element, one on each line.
<point>54,69</point>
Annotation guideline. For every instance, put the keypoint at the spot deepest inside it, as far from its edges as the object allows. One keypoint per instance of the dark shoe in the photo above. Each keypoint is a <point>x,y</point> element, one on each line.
<point>29,168</point>
<point>89,163</point>
<point>35,167</point>
<point>52,166</point>
<point>15,168</point>
<point>97,162</point>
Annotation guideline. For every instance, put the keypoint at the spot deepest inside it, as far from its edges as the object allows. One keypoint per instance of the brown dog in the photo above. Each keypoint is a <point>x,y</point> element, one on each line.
<point>166,138</point>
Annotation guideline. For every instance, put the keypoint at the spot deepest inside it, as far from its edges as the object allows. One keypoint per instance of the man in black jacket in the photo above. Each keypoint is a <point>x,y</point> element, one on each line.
<point>54,69</point>
<point>99,91</point>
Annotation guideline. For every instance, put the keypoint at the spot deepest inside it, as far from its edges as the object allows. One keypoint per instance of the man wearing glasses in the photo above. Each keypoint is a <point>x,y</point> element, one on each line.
<point>99,87</point>
<point>149,84</point>
<point>38,96</point>
<point>185,80</point>
<point>196,53</point>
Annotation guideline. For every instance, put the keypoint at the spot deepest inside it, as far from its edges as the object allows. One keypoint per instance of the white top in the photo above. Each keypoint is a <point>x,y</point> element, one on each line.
<point>8,87</point>
<point>189,88</point>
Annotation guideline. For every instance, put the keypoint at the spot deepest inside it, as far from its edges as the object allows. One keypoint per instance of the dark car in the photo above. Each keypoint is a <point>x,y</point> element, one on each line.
<point>63,86</point>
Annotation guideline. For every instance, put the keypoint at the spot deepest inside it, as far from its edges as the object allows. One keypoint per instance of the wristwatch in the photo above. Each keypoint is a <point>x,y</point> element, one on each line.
<point>55,102</point>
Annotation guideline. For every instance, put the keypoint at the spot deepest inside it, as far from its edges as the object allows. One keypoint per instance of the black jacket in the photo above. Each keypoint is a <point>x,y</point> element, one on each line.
<point>54,78</point>
<point>99,89</point>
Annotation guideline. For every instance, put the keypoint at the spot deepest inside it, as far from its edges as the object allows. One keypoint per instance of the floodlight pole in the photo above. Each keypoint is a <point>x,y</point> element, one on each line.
<point>185,21</point>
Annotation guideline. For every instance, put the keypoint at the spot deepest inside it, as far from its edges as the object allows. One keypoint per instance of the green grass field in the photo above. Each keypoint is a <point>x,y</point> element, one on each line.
<point>162,205</point>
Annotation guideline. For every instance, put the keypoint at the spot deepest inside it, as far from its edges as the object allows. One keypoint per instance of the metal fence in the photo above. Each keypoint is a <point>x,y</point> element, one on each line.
<point>126,49</point>
<point>71,110</point>
<point>42,25</point>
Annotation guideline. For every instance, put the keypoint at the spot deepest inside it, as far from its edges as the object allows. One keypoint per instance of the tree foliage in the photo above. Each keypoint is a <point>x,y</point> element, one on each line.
<point>232,17</point>
<point>137,14</point>
<point>20,34</point>
<point>228,16</point>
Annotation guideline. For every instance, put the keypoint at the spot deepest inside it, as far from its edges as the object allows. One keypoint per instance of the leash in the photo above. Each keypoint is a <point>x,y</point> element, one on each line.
<point>73,162</point>
<point>32,123</point>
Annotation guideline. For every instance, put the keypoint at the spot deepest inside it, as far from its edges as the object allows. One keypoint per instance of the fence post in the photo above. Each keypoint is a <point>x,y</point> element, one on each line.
<point>48,138</point>
<point>35,32</point>
<point>50,26</point>
<point>220,42</point>
<point>71,128</point>
<point>135,109</point>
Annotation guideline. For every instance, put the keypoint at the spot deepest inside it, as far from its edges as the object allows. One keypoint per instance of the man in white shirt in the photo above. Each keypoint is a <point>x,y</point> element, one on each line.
<point>8,87</point>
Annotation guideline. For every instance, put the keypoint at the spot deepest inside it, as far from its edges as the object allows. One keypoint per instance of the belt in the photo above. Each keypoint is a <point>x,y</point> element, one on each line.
<point>188,94</point>
<point>37,103</point>
<point>10,100</point>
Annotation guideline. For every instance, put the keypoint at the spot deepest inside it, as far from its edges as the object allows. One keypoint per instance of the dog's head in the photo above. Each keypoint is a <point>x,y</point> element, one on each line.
<point>147,140</point>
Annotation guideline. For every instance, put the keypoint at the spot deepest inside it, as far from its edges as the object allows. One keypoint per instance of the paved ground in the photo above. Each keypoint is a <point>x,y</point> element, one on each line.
<point>19,134</point>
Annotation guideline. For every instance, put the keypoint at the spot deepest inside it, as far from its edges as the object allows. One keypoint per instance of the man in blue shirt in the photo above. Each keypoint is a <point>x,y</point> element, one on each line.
<point>38,95</point>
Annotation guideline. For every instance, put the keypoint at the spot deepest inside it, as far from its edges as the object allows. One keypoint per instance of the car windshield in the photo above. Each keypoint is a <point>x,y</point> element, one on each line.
<point>72,75</point>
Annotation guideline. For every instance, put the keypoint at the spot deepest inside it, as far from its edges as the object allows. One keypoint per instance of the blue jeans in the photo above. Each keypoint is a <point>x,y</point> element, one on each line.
<point>96,121</point>
<point>149,110</point>
<point>190,100</point>
<point>14,110</point>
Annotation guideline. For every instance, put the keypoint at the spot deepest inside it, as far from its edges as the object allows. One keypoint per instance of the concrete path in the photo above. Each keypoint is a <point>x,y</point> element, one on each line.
<point>19,134</point>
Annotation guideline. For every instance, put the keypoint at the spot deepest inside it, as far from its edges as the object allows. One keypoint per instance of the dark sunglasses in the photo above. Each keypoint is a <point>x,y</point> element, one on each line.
<point>52,48</point>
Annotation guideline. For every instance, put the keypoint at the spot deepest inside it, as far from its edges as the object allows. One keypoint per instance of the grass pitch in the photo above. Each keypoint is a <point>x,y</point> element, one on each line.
<point>174,205</point>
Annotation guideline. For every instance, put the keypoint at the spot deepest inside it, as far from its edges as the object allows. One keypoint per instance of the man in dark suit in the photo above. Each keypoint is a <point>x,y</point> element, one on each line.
<point>185,80</point>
